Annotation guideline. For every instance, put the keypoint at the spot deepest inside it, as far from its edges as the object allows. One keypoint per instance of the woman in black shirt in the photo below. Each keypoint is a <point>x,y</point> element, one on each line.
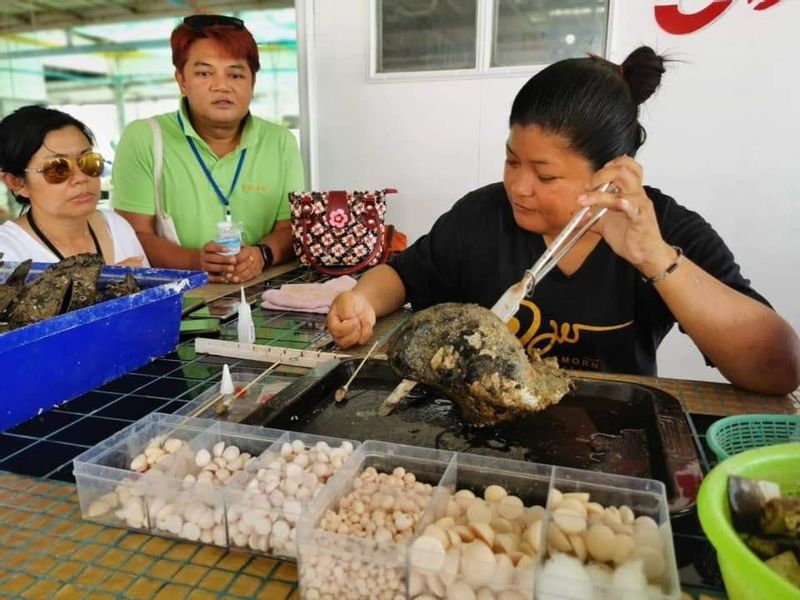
<point>647,264</point>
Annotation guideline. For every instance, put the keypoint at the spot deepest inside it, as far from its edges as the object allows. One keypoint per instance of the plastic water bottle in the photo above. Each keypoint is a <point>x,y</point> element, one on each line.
<point>230,236</point>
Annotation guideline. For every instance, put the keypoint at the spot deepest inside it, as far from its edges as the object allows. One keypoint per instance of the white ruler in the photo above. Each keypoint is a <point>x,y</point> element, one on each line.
<point>261,353</point>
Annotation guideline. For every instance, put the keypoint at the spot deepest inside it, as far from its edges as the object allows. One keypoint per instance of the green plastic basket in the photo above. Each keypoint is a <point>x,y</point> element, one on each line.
<point>746,576</point>
<point>733,435</point>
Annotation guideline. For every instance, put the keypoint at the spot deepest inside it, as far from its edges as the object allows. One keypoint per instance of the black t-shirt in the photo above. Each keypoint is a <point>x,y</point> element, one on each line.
<point>603,317</point>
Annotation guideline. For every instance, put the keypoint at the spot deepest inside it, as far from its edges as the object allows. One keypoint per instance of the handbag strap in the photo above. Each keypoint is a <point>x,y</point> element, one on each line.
<point>158,162</point>
<point>376,251</point>
<point>388,238</point>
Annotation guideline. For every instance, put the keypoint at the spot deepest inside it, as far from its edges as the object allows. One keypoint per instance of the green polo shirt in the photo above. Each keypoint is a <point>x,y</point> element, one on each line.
<point>271,169</point>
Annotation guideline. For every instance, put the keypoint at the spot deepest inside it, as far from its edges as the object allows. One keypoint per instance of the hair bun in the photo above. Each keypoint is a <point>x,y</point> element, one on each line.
<point>642,72</point>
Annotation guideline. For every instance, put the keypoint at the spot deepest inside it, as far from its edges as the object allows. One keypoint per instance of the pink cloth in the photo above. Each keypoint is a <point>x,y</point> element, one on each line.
<point>307,297</point>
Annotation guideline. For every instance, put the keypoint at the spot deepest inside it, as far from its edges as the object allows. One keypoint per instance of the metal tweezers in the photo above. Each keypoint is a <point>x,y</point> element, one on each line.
<point>508,304</point>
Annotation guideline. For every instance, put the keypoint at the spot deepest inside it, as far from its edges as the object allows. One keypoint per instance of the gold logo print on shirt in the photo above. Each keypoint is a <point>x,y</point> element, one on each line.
<point>254,187</point>
<point>565,333</point>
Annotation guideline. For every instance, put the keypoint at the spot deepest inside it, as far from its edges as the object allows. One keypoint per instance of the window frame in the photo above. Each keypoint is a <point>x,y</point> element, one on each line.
<point>485,27</point>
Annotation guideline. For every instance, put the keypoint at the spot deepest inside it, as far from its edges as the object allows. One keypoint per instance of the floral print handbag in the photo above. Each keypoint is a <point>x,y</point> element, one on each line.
<point>339,233</point>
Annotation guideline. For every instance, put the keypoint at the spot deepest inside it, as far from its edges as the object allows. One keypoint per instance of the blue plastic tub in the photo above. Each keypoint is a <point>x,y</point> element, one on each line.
<point>50,362</point>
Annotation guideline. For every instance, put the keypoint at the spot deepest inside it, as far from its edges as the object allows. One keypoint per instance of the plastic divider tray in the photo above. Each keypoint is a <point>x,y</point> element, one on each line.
<point>335,564</point>
<point>258,507</point>
<point>183,493</point>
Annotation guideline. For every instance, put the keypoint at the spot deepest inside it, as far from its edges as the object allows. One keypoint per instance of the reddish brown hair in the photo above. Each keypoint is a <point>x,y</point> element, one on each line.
<point>239,43</point>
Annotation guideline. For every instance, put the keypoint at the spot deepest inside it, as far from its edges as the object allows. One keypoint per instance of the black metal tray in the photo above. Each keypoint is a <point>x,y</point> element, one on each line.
<point>608,426</point>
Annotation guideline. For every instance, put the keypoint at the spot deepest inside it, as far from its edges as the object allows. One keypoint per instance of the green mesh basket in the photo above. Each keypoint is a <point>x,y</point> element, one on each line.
<point>732,435</point>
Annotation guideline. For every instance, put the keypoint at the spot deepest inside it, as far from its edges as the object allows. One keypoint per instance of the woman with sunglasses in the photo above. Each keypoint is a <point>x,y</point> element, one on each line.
<point>49,165</point>
<point>221,164</point>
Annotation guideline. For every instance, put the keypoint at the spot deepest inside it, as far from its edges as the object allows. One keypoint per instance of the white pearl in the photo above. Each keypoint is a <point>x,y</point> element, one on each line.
<point>291,510</point>
<point>173,523</point>
<point>219,535</point>
<point>172,445</point>
<point>280,529</point>
<point>262,526</point>
<point>218,448</point>
<point>97,508</point>
<point>231,453</point>
<point>202,458</point>
<point>294,472</point>
<point>139,463</point>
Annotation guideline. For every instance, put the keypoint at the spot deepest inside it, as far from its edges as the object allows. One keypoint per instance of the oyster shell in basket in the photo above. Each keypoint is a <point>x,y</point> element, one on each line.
<point>126,287</point>
<point>46,297</point>
<point>84,270</point>
<point>67,285</point>
<point>11,288</point>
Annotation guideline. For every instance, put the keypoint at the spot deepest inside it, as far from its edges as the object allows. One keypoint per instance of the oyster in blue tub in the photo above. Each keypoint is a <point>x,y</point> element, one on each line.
<point>53,360</point>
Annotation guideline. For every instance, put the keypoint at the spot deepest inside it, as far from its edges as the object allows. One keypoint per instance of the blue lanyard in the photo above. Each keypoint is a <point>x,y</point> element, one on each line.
<point>222,197</point>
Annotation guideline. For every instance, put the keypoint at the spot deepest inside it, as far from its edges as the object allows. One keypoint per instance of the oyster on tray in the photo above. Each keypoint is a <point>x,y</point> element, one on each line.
<point>469,354</point>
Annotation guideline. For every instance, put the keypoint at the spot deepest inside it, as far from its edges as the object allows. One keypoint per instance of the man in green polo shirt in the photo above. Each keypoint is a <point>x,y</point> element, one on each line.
<point>220,163</point>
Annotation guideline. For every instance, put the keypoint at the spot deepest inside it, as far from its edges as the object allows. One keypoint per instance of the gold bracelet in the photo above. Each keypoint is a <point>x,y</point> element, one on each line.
<point>656,278</point>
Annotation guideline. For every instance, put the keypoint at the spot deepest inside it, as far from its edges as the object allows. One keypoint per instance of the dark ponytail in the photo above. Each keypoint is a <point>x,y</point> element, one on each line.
<point>593,102</point>
<point>642,71</point>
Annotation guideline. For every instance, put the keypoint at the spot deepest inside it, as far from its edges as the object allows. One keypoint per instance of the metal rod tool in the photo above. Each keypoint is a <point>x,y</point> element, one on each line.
<point>341,393</point>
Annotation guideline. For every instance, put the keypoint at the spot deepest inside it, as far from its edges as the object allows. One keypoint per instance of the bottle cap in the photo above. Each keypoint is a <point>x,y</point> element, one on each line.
<point>245,328</point>
<point>226,382</point>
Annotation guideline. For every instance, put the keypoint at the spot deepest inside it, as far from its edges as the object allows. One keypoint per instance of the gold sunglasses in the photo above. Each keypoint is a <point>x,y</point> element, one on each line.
<point>59,169</point>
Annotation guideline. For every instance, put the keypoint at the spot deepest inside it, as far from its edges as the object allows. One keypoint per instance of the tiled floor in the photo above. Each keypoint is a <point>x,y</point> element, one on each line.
<point>47,551</point>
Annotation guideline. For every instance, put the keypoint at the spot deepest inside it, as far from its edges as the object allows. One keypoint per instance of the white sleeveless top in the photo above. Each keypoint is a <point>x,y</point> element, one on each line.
<point>17,245</point>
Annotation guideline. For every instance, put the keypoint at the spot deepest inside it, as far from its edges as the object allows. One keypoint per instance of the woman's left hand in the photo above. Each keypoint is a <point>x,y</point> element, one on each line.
<point>249,264</point>
<point>630,227</point>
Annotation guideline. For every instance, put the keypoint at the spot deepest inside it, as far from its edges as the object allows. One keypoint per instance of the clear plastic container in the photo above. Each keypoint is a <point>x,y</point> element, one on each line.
<point>640,561</point>
<point>392,521</point>
<point>266,500</point>
<point>347,563</point>
<point>488,531</point>
<point>475,539</point>
<point>187,478</point>
<point>189,502</point>
<point>109,490</point>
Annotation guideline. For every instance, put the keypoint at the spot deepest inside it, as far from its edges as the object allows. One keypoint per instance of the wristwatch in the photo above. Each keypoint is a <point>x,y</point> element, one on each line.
<point>266,254</point>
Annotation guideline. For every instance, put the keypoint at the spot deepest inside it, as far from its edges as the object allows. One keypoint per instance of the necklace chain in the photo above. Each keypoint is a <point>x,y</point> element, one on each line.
<point>48,239</point>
